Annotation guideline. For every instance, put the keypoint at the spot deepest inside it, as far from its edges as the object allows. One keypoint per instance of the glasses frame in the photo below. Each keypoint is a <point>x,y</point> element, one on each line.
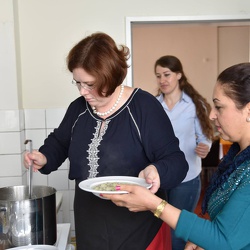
<point>84,85</point>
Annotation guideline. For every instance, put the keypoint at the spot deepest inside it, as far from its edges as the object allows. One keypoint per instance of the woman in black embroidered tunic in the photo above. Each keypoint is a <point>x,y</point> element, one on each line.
<point>111,130</point>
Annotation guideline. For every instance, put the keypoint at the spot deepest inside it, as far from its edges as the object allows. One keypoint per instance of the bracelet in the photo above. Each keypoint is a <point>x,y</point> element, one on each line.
<point>159,209</point>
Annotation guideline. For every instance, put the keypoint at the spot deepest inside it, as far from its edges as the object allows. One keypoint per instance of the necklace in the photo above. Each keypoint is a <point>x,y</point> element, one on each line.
<point>112,108</point>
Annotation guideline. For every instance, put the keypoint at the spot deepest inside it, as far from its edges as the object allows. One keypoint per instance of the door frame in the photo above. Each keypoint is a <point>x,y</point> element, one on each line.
<point>222,20</point>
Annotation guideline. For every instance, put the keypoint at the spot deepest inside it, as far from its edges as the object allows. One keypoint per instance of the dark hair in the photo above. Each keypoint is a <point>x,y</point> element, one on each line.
<point>101,58</point>
<point>203,108</point>
<point>236,83</point>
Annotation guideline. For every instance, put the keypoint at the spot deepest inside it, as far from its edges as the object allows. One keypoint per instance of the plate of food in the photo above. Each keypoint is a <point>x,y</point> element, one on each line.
<point>107,184</point>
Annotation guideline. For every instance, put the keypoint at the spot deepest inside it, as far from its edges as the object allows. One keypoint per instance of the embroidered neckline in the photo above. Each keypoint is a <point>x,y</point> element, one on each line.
<point>93,148</point>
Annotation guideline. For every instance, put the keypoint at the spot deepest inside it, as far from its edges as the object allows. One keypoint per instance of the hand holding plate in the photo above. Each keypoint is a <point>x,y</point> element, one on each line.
<point>150,174</point>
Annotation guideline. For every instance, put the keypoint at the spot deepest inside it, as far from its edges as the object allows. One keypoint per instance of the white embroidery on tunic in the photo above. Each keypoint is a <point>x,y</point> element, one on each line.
<point>93,150</point>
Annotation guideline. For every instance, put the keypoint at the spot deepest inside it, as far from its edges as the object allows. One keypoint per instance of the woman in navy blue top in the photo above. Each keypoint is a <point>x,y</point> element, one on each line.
<point>111,130</point>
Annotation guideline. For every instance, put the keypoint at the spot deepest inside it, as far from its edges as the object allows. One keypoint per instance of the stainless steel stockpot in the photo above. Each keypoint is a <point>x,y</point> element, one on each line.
<point>27,220</point>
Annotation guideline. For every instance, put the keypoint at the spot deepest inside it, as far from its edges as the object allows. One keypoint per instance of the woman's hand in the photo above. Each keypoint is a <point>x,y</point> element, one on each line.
<point>150,174</point>
<point>192,246</point>
<point>202,150</point>
<point>37,159</point>
<point>138,198</point>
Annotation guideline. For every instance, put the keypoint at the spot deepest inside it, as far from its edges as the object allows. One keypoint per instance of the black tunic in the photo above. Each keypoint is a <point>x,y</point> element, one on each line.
<point>137,135</point>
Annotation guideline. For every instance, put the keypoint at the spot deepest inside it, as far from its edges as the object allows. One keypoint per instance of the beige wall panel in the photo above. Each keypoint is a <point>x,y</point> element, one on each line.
<point>195,46</point>
<point>233,46</point>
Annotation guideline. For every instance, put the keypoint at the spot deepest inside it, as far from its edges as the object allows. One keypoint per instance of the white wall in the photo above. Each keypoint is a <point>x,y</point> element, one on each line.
<point>8,64</point>
<point>48,29</point>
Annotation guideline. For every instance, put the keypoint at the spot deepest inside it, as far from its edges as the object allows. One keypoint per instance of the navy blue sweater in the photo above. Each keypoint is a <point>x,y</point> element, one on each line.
<point>136,135</point>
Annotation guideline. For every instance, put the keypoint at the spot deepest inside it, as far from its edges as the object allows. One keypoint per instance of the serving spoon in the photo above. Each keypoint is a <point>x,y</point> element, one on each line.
<point>30,168</point>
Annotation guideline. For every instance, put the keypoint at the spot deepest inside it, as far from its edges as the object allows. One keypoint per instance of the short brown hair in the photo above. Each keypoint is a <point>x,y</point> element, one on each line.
<point>99,55</point>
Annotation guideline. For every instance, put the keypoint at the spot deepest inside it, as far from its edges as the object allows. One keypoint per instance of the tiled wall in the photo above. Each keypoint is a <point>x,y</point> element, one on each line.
<point>12,135</point>
<point>35,124</point>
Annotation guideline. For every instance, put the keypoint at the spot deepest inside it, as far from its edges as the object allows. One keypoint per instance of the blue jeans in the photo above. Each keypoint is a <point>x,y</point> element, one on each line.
<point>185,196</point>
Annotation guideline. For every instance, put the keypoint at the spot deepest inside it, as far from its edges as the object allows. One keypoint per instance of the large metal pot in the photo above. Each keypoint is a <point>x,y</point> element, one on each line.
<point>27,220</point>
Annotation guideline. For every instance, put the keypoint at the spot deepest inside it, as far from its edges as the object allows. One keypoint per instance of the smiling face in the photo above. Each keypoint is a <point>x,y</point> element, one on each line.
<point>167,80</point>
<point>228,119</point>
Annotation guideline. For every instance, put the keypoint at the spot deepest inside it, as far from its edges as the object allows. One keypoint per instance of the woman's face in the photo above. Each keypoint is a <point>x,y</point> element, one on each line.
<point>167,80</point>
<point>229,121</point>
<point>87,88</point>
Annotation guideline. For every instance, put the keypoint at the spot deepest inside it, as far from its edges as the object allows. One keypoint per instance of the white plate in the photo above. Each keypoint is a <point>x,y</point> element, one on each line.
<point>89,184</point>
<point>37,247</point>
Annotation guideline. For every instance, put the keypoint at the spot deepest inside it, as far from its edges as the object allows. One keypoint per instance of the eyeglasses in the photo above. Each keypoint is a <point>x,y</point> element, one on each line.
<point>86,85</point>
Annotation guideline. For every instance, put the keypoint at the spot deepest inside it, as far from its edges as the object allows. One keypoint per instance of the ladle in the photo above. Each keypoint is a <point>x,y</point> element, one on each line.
<point>30,168</point>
